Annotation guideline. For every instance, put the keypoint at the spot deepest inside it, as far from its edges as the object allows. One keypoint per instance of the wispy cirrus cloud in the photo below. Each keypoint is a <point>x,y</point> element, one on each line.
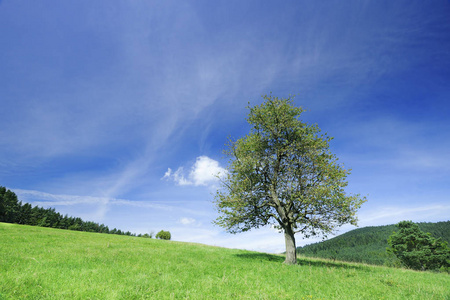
<point>50,200</point>
<point>390,214</point>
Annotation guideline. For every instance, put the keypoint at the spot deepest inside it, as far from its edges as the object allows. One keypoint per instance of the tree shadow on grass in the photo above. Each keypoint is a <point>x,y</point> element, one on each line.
<point>302,261</point>
<point>261,257</point>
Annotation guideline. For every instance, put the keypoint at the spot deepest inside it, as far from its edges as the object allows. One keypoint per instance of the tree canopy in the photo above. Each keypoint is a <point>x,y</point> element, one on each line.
<point>282,173</point>
<point>418,250</point>
<point>163,235</point>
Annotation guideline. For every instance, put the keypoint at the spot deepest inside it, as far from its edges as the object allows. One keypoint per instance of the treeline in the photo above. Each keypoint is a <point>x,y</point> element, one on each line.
<point>368,245</point>
<point>14,211</point>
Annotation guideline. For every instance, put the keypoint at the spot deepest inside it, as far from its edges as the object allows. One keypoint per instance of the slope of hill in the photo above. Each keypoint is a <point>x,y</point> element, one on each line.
<point>12,210</point>
<point>46,263</point>
<point>368,244</point>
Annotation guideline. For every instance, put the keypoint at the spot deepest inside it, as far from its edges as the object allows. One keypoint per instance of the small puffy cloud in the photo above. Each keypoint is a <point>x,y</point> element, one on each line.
<point>190,222</point>
<point>187,221</point>
<point>177,176</point>
<point>204,172</point>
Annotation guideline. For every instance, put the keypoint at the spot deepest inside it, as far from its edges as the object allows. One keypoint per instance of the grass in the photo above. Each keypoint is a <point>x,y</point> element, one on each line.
<point>44,263</point>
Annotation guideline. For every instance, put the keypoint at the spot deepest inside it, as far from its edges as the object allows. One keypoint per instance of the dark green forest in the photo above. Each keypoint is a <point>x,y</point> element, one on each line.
<point>14,211</point>
<point>368,244</point>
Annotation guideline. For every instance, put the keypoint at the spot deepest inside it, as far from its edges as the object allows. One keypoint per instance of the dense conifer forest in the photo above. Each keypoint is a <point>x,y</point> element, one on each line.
<point>368,244</point>
<point>14,211</point>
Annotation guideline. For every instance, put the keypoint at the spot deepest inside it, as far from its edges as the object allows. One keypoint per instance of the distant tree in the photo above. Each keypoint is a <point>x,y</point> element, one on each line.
<point>148,235</point>
<point>103,228</point>
<point>2,204</point>
<point>418,250</point>
<point>9,206</point>
<point>66,222</point>
<point>37,213</point>
<point>282,173</point>
<point>44,222</point>
<point>25,215</point>
<point>163,235</point>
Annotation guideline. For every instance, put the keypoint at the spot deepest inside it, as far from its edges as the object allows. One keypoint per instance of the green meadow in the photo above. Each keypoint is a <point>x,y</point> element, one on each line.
<point>45,263</point>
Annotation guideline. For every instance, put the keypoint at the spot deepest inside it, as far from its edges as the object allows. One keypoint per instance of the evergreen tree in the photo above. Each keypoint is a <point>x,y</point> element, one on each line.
<point>25,215</point>
<point>9,207</point>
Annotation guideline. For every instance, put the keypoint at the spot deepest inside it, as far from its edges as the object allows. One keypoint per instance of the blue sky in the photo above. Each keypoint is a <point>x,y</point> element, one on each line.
<point>118,112</point>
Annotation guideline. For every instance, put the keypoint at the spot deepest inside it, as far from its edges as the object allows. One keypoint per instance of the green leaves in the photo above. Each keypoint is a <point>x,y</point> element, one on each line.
<point>282,173</point>
<point>163,235</point>
<point>418,250</point>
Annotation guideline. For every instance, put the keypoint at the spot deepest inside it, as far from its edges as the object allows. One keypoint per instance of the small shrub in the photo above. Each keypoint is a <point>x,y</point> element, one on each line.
<point>146,235</point>
<point>163,235</point>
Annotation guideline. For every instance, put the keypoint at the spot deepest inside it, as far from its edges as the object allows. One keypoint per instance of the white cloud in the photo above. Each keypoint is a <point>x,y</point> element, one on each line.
<point>204,172</point>
<point>432,212</point>
<point>42,197</point>
<point>187,221</point>
<point>177,176</point>
<point>102,204</point>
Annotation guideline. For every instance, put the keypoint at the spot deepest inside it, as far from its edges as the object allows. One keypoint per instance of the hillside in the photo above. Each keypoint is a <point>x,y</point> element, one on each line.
<point>47,263</point>
<point>368,244</point>
<point>12,210</point>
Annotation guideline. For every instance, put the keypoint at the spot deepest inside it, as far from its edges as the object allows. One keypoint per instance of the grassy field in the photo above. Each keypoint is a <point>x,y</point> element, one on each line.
<point>44,263</point>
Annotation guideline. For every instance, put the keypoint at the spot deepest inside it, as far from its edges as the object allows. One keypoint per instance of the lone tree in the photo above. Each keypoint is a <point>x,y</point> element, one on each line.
<point>163,235</point>
<point>282,173</point>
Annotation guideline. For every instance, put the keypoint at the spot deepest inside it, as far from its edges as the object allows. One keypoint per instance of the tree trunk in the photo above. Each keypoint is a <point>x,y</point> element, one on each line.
<point>291,251</point>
